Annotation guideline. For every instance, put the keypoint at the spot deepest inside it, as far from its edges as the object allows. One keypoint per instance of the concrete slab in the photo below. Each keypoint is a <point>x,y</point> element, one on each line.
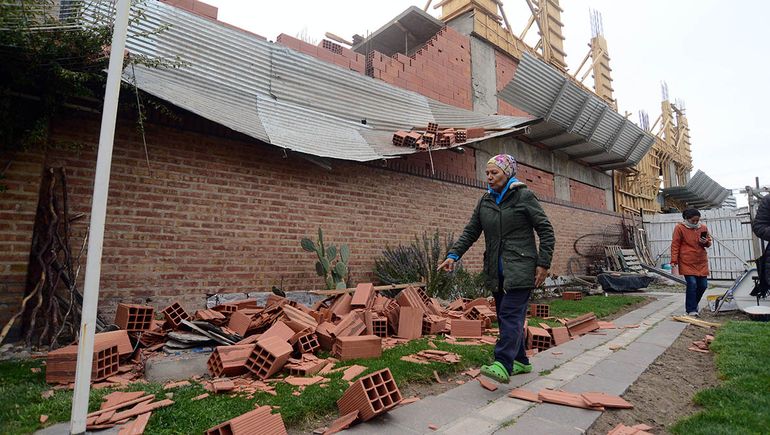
<point>565,415</point>
<point>386,424</point>
<point>614,370</point>
<point>473,392</point>
<point>638,354</point>
<point>505,409</point>
<point>176,367</point>
<point>474,425</point>
<point>596,383</point>
<point>528,424</point>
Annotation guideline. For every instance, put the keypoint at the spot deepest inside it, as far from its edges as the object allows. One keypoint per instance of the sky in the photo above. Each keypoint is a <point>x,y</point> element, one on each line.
<point>712,54</point>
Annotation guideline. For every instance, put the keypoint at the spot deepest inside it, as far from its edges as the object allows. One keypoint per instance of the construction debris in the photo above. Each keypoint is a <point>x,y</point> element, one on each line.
<point>639,429</point>
<point>255,346</point>
<point>696,322</point>
<point>260,421</point>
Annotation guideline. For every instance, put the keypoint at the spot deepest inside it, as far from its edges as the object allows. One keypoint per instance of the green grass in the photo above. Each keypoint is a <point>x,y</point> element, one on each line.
<point>602,306</point>
<point>21,403</point>
<point>741,404</point>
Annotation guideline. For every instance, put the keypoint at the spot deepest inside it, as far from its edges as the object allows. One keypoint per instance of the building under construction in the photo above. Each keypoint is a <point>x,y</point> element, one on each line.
<point>263,142</point>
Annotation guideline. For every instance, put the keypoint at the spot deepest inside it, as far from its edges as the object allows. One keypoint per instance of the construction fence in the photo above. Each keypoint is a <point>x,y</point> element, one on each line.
<point>732,248</point>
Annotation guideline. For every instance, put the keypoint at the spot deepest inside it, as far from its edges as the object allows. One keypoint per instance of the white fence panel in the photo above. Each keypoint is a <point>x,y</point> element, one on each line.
<point>732,240</point>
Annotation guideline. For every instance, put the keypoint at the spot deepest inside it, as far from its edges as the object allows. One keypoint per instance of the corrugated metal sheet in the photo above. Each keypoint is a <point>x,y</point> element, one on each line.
<point>577,123</point>
<point>700,192</point>
<point>278,95</point>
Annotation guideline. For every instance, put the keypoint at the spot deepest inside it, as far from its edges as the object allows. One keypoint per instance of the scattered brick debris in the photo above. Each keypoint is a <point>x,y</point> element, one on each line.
<point>371,395</point>
<point>172,385</point>
<point>566,398</point>
<point>432,355</point>
<point>353,371</point>
<point>304,382</point>
<point>472,372</point>
<point>43,418</point>
<point>606,400</point>
<point>47,394</point>
<point>437,377</point>
<point>409,400</point>
<point>432,427</point>
<point>200,397</point>
<point>488,385</point>
<point>35,369</point>
<point>342,423</point>
<point>260,420</point>
<point>606,325</point>
<point>520,393</point>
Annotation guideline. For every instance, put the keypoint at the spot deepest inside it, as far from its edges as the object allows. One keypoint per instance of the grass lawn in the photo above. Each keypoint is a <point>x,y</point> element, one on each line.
<point>741,404</point>
<point>21,403</point>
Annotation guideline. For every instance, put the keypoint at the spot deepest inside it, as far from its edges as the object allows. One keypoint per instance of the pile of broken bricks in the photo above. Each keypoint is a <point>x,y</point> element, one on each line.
<point>278,342</point>
<point>431,137</point>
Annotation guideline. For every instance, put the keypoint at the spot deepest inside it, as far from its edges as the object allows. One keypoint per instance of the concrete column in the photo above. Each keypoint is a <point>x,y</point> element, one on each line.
<point>483,77</point>
<point>561,187</point>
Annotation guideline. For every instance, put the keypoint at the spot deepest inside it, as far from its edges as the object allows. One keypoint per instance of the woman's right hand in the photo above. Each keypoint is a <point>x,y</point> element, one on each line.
<point>448,265</point>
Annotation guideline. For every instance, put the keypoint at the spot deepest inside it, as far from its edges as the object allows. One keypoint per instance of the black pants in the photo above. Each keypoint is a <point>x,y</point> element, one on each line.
<point>511,314</point>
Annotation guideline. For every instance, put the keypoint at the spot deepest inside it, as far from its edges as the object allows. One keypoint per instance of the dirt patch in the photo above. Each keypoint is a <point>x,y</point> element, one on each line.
<point>663,394</point>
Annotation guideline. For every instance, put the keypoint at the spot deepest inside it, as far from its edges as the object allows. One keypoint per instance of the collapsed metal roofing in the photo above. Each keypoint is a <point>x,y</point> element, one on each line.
<point>699,192</point>
<point>281,96</point>
<point>576,122</point>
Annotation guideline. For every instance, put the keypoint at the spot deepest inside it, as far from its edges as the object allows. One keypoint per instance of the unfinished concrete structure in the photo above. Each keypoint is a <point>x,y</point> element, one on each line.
<point>269,141</point>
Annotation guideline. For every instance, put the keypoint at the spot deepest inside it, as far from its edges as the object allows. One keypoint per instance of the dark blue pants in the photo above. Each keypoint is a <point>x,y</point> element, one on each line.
<point>511,314</point>
<point>696,286</point>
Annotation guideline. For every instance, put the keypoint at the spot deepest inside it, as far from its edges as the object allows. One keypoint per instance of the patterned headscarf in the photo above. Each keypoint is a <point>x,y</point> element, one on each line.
<point>506,162</point>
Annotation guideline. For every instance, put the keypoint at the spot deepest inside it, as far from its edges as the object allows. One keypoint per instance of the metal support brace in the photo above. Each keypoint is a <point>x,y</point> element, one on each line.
<point>580,113</point>
<point>617,134</point>
<point>555,102</point>
<point>596,124</point>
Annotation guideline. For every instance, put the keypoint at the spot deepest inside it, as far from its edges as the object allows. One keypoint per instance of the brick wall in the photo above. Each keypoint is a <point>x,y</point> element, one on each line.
<point>17,217</point>
<point>587,195</point>
<point>226,215</point>
<point>540,182</point>
<point>440,69</point>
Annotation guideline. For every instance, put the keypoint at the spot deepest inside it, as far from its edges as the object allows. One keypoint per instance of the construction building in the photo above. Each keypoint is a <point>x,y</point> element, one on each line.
<point>267,141</point>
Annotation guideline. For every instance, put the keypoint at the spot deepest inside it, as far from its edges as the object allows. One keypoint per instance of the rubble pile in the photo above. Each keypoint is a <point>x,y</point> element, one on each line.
<point>257,346</point>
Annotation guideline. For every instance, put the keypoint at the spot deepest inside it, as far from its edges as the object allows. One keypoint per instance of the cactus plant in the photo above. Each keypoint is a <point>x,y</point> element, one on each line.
<point>332,269</point>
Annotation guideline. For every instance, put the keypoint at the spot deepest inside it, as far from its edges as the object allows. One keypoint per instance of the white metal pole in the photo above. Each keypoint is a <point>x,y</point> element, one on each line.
<point>98,213</point>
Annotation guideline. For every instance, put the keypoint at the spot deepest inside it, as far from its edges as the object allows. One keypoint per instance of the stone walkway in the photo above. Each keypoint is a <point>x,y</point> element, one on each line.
<point>585,364</point>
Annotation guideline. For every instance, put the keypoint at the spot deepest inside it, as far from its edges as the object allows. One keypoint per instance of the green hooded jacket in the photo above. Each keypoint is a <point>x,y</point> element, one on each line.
<point>508,232</point>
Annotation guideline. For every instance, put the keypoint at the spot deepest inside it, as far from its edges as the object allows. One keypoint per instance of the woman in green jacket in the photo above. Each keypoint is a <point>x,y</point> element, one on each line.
<point>509,215</point>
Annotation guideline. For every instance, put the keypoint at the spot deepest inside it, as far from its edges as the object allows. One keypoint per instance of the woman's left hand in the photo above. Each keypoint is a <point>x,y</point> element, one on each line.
<point>540,274</point>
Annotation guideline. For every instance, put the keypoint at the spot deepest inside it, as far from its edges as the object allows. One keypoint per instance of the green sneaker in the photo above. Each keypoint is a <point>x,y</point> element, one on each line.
<point>496,371</point>
<point>519,368</point>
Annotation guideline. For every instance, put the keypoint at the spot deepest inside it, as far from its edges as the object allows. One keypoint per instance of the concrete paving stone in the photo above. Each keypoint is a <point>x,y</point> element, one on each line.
<point>470,425</point>
<point>473,394</point>
<point>565,415</point>
<point>385,424</point>
<point>596,383</point>
<point>437,410</point>
<point>528,424</point>
<point>519,380</point>
<point>568,374</point>
<point>504,409</point>
<point>663,334</point>
<point>617,371</point>
<point>638,354</point>
<point>542,383</point>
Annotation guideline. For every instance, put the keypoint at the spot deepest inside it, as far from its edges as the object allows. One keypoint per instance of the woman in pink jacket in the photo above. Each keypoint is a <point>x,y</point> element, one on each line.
<point>688,253</point>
